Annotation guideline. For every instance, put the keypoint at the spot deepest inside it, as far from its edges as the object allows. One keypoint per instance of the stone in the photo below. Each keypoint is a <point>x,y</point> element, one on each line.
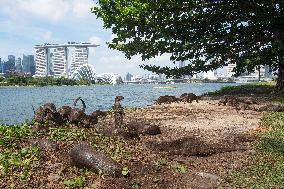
<point>84,156</point>
<point>54,177</point>
<point>271,108</point>
<point>202,180</point>
<point>44,144</point>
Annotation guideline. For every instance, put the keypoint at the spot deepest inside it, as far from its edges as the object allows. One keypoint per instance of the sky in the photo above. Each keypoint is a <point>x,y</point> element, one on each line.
<point>25,23</point>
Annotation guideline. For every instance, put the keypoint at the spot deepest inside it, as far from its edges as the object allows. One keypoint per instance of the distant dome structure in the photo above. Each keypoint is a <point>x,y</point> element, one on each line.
<point>85,72</point>
<point>109,78</point>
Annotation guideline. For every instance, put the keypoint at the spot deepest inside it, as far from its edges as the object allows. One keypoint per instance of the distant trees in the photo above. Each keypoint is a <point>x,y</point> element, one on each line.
<point>40,81</point>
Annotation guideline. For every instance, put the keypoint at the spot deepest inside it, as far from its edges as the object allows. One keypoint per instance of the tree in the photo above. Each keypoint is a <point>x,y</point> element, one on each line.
<point>209,33</point>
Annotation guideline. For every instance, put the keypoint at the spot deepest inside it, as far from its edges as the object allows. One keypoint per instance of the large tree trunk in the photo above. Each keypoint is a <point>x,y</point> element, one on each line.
<point>280,79</point>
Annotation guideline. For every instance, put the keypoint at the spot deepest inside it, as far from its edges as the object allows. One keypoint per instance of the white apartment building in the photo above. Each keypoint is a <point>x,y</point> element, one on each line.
<point>79,58</point>
<point>59,61</point>
<point>41,59</point>
<point>230,71</point>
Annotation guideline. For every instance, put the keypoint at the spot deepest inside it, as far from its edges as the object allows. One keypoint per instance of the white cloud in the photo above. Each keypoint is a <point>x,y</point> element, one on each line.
<point>47,36</point>
<point>82,8</point>
<point>50,10</point>
<point>96,40</point>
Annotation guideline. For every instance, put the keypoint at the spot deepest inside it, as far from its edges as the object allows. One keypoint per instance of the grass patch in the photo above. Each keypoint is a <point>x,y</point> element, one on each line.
<point>263,86</point>
<point>11,135</point>
<point>267,162</point>
<point>67,134</point>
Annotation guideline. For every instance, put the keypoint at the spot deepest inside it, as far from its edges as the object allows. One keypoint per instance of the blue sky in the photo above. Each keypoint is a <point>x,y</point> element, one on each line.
<point>25,23</point>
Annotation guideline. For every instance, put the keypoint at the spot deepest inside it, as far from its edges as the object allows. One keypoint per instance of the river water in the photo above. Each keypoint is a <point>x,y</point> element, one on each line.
<point>16,102</point>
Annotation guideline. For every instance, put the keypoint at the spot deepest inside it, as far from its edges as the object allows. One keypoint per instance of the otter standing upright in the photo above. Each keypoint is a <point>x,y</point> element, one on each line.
<point>118,111</point>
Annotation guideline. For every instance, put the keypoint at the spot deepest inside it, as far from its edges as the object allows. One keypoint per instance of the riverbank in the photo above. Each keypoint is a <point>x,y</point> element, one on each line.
<point>201,145</point>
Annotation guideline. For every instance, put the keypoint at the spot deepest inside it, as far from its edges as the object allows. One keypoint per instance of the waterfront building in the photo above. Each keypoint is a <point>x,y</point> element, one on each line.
<point>1,66</point>
<point>19,68</point>
<point>57,65</point>
<point>211,75</point>
<point>79,58</point>
<point>28,64</point>
<point>10,64</point>
<point>109,78</point>
<point>128,77</point>
<point>181,64</point>
<point>42,61</point>
<point>85,72</point>
<point>59,62</point>
<point>230,71</point>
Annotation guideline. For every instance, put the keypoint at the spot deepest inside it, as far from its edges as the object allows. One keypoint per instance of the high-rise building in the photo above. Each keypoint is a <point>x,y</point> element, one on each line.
<point>79,58</point>
<point>10,64</point>
<point>59,62</point>
<point>230,71</point>
<point>42,62</point>
<point>1,66</point>
<point>181,64</point>
<point>19,68</point>
<point>128,77</point>
<point>28,64</point>
<point>51,62</point>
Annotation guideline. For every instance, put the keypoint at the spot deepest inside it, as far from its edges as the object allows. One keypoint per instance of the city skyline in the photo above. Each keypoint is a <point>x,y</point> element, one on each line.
<point>26,23</point>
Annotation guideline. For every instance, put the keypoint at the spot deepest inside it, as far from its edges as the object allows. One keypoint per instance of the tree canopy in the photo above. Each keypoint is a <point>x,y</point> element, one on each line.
<point>208,33</point>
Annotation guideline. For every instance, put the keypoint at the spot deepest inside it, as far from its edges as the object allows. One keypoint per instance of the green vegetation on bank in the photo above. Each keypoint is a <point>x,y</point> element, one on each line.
<point>266,163</point>
<point>263,86</point>
<point>15,80</point>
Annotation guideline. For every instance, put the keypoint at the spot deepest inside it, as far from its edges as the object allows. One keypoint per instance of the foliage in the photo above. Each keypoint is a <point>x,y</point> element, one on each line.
<point>208,33</point>
<point>180,168</point>
<point>41,81</point>
<point>160,162</point>
<point>21,160</point>
<point>67,134</point>
<point>78,182</point>
<point>267,162</point>
<point>243,88</point>
<point>10,135</point>
<point>125,171</point>
<point>115,147</point>
<point>14,158</point>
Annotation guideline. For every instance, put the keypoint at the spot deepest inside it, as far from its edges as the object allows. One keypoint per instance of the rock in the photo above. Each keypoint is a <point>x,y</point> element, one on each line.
<point>166,99</point>
<point>54,178</point>
<point>201,180</point>
<point>188,97</point>
<point>44,144</point>
<point>83,156</point>
<point>271,108</point>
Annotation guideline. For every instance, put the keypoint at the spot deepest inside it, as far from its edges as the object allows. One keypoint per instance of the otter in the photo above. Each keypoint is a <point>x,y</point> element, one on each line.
<point>166,99</point>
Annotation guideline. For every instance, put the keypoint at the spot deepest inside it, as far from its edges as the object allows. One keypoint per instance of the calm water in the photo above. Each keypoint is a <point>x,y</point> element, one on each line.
<point>16,102</point>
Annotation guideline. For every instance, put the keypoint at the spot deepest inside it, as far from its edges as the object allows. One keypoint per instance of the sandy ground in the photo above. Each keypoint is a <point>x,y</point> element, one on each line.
<point>206,118</point>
